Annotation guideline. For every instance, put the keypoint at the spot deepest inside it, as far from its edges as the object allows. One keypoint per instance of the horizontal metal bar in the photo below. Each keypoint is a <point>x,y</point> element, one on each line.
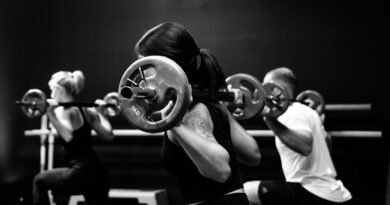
<point>255,133</point>
<point>348,107</point>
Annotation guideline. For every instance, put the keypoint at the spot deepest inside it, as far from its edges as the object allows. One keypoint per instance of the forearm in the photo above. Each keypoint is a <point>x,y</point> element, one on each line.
<point>246,147</point>
<point>104,128</point>
<point>296,140</point>
<point>211,159</point>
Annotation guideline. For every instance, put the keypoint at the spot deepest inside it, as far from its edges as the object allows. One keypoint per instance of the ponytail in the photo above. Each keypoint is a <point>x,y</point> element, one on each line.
<point>210,67</point>
<point>73,82</point>
<point>174,41</point>
<point>79,79</point>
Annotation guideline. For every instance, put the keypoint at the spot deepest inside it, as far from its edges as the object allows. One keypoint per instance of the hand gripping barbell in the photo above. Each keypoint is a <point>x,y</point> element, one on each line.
<point>151,83</point>
<point>34,104</point>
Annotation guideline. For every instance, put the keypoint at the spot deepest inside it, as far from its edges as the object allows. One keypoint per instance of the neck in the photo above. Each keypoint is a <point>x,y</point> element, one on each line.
<point>67,99</point>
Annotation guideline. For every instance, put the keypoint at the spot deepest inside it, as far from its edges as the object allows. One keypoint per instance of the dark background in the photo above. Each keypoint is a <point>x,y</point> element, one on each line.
<point>334,47</point>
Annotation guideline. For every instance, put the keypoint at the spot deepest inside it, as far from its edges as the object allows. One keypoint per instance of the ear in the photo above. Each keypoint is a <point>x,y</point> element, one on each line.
<point>62,92</point>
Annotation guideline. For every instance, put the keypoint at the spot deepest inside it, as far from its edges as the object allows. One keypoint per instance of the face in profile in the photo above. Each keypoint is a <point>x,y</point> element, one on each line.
<point>57,92</point>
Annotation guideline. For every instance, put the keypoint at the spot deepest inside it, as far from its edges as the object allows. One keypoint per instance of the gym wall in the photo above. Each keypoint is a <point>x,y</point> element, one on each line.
<point>335,47</point>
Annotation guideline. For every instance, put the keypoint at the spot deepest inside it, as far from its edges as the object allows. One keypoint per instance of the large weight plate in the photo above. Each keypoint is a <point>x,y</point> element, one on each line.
<point>33,103</point>
<point>253,96</point>
<point>170,84</point>
<point>312,99</point>
<point>277,100</point>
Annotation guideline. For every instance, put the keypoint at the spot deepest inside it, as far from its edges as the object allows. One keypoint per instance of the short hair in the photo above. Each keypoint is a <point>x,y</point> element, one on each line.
<point>286,75</point>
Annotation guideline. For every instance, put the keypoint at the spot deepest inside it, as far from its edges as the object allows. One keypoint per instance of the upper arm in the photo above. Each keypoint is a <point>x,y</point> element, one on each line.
<point>199,120</point>
<point>99,123</point>
<point>295,131</point>
<point>195,135</point>
<point>92,117</point>
<point>300,123</point>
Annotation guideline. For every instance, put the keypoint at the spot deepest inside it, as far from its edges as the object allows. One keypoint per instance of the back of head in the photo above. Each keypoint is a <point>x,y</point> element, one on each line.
<point>174,41</point>
<point>73,82</point>
<point>171,40</point>
<point>284,76</point>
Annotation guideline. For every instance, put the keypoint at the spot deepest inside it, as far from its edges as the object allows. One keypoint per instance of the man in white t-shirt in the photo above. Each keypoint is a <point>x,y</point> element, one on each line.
<point>306,162</point>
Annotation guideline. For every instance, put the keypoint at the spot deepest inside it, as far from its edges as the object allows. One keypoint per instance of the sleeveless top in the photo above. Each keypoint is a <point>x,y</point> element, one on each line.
<point>79,149</point>
<point>193,185</point>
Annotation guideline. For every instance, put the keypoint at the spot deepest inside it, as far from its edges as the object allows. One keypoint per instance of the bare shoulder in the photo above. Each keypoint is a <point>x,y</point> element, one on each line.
<point>91,114</point>
<point>199,119</point>
<point>73,113</point>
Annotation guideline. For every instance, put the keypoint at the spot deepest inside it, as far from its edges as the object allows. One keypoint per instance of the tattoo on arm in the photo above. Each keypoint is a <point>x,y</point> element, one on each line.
<point>200,123</point>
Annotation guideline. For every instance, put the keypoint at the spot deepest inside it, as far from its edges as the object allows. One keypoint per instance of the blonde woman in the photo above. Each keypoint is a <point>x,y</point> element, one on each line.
<point>84,174</point>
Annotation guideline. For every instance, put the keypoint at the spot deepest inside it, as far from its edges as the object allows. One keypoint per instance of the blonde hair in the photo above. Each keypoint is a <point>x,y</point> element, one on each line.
<point>73,82</point>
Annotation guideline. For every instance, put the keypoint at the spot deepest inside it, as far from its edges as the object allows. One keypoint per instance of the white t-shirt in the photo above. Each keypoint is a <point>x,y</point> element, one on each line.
<point>316,171</point>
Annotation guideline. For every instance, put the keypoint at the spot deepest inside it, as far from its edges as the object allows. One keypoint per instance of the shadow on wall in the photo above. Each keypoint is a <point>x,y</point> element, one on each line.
<point>4,131</point>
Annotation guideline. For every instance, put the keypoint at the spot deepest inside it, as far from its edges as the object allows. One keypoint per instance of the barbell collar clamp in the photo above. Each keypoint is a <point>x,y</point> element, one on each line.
<point>147,93</point>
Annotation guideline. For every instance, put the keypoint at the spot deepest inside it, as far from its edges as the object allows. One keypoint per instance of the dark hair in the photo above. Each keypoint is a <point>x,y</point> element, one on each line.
<point>286,75</point>
<point>172,40</point>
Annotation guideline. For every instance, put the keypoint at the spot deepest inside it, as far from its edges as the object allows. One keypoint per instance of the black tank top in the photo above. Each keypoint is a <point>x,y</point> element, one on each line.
<point>79,149</point>
<point>193,185</point>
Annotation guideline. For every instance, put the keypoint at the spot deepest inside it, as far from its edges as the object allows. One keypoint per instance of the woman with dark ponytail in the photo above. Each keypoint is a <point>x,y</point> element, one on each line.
<point>203,151</point>
<point>84,173</point>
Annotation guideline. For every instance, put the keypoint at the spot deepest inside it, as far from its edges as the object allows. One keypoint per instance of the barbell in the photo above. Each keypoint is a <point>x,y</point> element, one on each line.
<point>152,83</point>
<point>34,103</point>
<point>312,99</point>
<point>278,106</point>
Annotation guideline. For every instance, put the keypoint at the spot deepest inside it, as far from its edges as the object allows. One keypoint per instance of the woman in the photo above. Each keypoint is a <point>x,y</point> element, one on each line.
<point>84,174</point>
<point>203,151</point>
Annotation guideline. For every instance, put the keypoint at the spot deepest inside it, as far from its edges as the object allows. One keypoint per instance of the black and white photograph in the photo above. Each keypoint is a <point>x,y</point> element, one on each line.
<point>193,102</point>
